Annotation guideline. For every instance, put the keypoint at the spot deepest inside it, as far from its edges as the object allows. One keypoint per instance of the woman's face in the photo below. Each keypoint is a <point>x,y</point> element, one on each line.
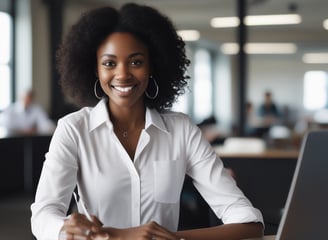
<point>123,69</point>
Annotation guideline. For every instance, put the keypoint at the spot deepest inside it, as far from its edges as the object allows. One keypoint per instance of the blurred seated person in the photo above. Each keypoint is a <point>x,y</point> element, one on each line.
<point>256,126</point>
<point>26,117</point>
<point>268,111</point>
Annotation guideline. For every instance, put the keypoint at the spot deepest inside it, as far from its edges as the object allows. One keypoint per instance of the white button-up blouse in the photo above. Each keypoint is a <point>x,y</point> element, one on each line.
<point>85,152</point>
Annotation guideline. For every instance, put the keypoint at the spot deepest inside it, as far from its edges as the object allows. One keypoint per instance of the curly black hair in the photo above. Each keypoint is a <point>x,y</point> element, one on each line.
<point>77,53</point>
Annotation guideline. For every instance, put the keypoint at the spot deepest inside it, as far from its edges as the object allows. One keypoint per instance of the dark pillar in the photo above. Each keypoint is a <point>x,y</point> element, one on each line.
<point>55,14</point>
<point>59,106</point>
<point>242,68</point>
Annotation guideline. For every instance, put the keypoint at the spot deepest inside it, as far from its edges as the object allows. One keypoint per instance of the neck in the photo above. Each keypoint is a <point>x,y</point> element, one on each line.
<point>125,119</point>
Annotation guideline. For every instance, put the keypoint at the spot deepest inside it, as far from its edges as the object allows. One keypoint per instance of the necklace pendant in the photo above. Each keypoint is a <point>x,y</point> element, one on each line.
<point>125,134</point>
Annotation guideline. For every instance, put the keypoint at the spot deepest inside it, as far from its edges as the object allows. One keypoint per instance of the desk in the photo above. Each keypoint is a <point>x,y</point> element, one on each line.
<point>278,154</point>
<point>22,158</point>
<point>271,237</point>
<point>265,178</point>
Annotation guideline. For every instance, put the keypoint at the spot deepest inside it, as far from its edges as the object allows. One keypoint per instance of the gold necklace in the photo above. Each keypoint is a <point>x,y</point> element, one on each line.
<point>125,133</point>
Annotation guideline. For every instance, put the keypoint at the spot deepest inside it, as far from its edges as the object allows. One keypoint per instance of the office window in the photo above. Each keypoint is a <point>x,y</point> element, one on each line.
<point>183,102</point>
<point>202,88</point>
<point>197,102</point>
<point>5,59</point>
<point>315,90</point>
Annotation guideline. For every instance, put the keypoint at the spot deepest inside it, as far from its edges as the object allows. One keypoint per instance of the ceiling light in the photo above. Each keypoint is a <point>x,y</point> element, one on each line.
<point>256,20</point>
<point>279,19</point>
<point>270,48</point>
<point>260,48</point>
<point>312,58</point>
<point>325,24</point>
<point>225,22</point>
<point>189,35</point>
<point>230,48</point>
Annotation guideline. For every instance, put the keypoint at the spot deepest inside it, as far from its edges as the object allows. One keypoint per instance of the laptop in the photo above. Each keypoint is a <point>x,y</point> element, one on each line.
<point>306,210</point>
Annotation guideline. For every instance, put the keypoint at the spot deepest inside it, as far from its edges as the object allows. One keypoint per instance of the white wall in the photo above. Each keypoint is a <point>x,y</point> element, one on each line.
<point>282,75</point>
<point>32,50</point>
<point>41,53</point>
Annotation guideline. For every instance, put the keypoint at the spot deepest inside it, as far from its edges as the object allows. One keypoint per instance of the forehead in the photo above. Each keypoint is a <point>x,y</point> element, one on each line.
<point>120,43</point>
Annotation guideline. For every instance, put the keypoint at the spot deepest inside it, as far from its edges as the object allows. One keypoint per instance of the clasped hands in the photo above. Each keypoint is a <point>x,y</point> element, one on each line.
<point>78,227</point>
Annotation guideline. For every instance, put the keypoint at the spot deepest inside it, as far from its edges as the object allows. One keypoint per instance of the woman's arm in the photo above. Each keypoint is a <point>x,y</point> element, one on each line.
<point>219,189</point>
<point>152,230</point>
<point>149,231</point>
<point>236,231</point>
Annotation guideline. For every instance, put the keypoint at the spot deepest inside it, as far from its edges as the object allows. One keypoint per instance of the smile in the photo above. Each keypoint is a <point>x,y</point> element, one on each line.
<point>123,89</point>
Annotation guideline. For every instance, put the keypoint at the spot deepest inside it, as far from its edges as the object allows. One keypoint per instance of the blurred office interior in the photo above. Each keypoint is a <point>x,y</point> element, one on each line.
<point>289,60</point>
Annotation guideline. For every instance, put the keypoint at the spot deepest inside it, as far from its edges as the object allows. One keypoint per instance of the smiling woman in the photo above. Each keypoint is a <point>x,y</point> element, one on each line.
<point>123,70</point>
<point>128,153</point>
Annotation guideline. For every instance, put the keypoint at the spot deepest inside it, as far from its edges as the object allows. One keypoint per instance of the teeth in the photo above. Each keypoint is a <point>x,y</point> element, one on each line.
<point>123,89</point>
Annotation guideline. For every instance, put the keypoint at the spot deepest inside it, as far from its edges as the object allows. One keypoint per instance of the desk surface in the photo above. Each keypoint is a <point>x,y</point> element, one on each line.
<point>286,154</point>
<point>271,237</point>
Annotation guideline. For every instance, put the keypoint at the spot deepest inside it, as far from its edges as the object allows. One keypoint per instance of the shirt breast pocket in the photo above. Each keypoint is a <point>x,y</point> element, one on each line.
<point>168,181</point>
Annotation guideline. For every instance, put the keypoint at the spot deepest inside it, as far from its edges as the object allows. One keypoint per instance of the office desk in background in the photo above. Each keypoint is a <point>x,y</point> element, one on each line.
<point>22,158</point>
<point>265,178</point>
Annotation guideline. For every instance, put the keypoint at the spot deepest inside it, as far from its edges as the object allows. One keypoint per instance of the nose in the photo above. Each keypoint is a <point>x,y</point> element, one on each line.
<point>122,72</point>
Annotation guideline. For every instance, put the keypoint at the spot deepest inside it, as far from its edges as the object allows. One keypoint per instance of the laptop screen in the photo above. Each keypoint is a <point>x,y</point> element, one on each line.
<point>306,211</point>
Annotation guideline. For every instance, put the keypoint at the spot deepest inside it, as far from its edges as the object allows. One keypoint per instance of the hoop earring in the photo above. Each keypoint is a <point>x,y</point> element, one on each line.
<point>156,86</point>
<point>95,89</point>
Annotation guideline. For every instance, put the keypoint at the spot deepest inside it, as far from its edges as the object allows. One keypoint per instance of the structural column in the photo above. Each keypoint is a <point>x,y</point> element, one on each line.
<point>242,67</point>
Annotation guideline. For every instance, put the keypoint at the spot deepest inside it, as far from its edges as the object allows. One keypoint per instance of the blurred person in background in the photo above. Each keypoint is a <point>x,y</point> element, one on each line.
<point>268,110</point>
<point>26,117</point>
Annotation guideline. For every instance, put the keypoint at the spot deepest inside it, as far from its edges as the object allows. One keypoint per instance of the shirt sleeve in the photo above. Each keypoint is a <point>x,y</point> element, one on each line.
<point>56,184</point>
<point>214,182</point>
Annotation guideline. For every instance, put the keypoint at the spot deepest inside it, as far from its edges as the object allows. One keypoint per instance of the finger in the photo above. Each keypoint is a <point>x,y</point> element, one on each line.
<point>79,224</point>
<point>162,233</point>
<point>96,221</point>
<point>77,230</point>
<point>68,236</point>
<point>100,236</point>
<point>96,224</point>
<point>78,220</point>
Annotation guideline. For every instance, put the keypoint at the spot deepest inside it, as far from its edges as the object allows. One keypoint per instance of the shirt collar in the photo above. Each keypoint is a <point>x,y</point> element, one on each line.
<point>154,118</point>
<point>99,115</point>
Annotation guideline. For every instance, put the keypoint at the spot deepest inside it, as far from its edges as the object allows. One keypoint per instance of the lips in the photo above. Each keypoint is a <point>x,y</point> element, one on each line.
<point>123,89</point>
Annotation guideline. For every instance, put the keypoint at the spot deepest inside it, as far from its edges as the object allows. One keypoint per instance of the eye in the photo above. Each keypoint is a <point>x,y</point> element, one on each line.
<point>136,62</point>
<point>109,63</point>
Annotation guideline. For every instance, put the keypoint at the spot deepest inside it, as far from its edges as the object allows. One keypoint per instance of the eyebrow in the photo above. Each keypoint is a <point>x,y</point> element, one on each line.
<point>130,56</point>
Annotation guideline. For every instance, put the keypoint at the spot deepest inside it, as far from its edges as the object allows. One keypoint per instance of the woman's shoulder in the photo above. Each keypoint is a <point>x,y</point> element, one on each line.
<point>173,114</point>
<point>77,116</point>
<point>176,118</point>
